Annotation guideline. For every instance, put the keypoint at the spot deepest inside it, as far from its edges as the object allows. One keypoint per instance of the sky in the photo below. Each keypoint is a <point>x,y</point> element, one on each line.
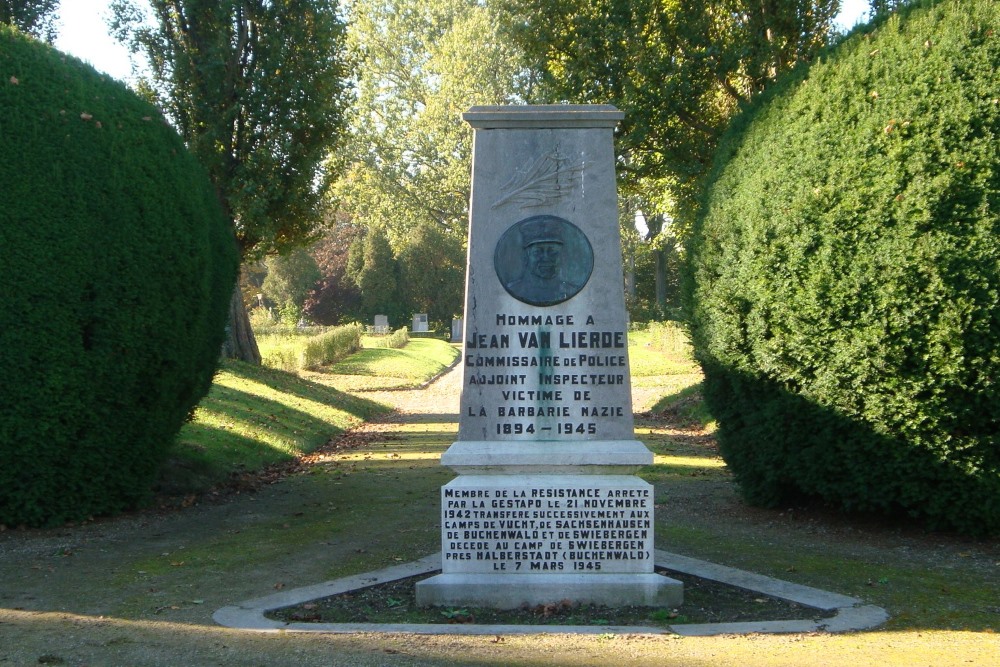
<point>83,32</point>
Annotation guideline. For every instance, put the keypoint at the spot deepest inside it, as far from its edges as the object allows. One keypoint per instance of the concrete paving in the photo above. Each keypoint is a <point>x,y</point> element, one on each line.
<point>844,614</point>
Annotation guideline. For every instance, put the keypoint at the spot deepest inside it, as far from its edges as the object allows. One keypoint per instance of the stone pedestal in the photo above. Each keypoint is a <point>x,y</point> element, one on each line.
<point>546,506</point>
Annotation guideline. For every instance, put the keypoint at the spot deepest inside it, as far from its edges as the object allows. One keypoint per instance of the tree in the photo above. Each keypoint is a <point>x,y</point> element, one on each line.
<point>258,90</point>
<point>679,70</point>
<point>884,7</point>
<point>432,272</point>
<point>377,278</point>
<point>289,280</point>
<point>407,160</point>
<point>34,17</point>
<point>335,299</point>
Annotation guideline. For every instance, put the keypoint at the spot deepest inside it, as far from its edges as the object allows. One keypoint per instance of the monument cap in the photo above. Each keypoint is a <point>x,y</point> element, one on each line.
<point>543,229</point>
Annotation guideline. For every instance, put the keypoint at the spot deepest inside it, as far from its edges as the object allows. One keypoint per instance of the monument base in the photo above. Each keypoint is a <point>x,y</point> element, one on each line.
<point>513,457</point>
<point>511,591</point>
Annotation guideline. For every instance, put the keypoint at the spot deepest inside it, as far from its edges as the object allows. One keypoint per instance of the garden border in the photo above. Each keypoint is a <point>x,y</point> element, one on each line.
<point>850,614</point>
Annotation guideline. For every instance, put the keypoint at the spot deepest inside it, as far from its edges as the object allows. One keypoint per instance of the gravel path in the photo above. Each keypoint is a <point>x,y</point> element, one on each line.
<point>441,396</point>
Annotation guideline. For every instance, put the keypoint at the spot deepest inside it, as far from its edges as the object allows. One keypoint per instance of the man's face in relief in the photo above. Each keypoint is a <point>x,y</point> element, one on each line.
<point>543,259</point>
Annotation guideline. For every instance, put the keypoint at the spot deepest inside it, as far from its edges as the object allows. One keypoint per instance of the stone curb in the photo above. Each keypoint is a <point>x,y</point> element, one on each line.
<point>851,613</point>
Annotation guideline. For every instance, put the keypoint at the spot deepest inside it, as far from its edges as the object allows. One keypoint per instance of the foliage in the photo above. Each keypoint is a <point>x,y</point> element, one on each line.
<point>679,70</point>
<point>261,318</point>
<point>34,17</point>
<point>656,351</point>
<point>397,339</point>
<point>845,295</point>
<point>281,346</point>
<point>335,299</point>
<point>115,277</point>
<point>292,349</point>
<point>377,278</point>
<point>432,273</point>
<point>331,346</point>
<point>289,280</point>
<point>258,90</point>
<point>406,163</point>
<point>881,8</point>
<point>669,338</point>
<point>392,368</point>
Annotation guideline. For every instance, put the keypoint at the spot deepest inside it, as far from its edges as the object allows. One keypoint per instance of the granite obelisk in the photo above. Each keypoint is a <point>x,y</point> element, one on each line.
<point>546,506</point>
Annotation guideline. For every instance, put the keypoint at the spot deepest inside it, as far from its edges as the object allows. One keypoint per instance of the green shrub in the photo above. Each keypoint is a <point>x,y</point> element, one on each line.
<point>845,275</point>
<point>332,346</point>
<point>280,347</point>
<point>116,268</point>
<point>294,349</point>
<point>397,339</point>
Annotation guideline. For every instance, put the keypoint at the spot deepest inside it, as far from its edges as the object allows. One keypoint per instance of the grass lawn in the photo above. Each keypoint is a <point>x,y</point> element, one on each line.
<point>256,416</point>
<point>141,590</point>
<point>379,368</point>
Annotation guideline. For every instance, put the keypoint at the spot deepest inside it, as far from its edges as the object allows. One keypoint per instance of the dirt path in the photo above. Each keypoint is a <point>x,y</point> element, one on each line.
<point>140,590</point>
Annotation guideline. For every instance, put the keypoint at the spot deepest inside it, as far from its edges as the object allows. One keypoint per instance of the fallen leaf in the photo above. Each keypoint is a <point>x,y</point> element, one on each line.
<point>86,116</point>
<point>14,80</point>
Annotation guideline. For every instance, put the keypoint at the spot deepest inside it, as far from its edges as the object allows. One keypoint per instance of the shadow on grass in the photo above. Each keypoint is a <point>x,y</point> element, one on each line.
<point>295,385</point>
<point>238,430</point>
<point>684,404</point>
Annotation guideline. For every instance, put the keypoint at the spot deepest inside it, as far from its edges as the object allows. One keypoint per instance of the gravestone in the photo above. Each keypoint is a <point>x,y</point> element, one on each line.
<point>419,323</point>
<point>546,506</point>
<point>381,324</point>
<point>456,330</point>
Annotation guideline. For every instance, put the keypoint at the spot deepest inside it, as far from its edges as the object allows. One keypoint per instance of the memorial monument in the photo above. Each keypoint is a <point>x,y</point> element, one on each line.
<point>546,506</point>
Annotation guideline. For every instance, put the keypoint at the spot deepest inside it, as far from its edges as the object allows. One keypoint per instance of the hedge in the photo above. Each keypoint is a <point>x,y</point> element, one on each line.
<point>843,280</point>
<point>331,346</point>
<point>116,268</point>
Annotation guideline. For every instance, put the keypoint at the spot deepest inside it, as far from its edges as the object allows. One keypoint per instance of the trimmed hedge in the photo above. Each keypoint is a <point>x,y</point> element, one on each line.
<point>844,294</point>
<point>294,349</point>
<point>116,268</point>
<point>331,346</point>
<point>396,340</point>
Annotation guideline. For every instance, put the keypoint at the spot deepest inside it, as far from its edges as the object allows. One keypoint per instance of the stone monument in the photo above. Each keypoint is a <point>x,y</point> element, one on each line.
<point>546,506</point>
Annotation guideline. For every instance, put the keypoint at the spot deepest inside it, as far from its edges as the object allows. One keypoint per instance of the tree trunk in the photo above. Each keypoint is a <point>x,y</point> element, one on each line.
<point>630,274</point>
<point>663,295</point>
<point>240,342</point>
<point>661,280</point>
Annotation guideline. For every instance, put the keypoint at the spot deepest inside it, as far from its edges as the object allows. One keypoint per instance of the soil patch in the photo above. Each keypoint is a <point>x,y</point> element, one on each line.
<point>395,602</point>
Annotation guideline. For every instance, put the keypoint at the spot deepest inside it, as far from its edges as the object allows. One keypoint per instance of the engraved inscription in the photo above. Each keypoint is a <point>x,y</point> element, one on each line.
<point>547,377</point>
<point>548,529</point>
